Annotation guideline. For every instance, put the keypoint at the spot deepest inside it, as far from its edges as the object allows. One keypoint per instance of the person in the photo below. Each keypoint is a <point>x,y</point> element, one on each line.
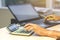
<point>42,31</point>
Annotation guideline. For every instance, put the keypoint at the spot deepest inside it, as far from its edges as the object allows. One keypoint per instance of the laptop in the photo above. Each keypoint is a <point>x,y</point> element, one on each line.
<point>25,13</point>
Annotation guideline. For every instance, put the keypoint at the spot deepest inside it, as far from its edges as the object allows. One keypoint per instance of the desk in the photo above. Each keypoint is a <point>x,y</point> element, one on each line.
<point>4,35</point>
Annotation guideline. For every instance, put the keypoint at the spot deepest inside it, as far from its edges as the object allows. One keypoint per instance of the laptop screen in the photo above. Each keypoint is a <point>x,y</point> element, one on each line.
<point>23,12</point>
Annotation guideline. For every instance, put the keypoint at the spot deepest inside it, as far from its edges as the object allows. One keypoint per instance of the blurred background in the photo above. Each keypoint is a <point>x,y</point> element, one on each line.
<point>40,3</point>
<point>5,15</point>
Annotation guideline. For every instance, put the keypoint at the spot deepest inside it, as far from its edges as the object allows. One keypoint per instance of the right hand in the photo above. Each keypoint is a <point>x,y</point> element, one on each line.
<point>30,26</point>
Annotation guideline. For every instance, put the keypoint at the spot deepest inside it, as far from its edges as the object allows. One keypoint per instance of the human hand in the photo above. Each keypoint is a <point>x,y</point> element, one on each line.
<point>42,31</point>
<point>30,26</point>
<point>52,17</point>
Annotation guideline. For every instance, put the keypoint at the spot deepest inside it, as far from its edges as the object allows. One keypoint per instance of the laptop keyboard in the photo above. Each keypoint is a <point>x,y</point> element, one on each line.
<point>38,22</point>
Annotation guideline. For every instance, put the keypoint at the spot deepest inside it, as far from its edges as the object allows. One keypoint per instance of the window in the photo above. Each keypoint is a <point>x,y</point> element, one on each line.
<point>40,3</point>
<point>52,4</point>
<point>7,2</point>
<point>56,4</point>
<point>2,3</point>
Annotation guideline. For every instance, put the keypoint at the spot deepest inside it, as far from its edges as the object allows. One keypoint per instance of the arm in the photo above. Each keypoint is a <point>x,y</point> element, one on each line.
<point>42,31</point>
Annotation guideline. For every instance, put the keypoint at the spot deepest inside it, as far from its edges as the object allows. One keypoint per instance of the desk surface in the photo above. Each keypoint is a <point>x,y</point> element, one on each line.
<point>4,35</point>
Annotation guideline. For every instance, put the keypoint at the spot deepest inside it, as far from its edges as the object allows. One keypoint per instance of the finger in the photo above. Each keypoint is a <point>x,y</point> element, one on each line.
<point>28,28</point>
<point>29,24</point>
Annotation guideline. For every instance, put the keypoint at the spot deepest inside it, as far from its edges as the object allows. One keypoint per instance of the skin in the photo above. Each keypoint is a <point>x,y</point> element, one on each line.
<point>52,17</point>
<point>42,31</point>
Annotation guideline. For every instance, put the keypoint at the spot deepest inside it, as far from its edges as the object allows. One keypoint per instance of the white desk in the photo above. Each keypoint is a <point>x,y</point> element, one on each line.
<point>4,35</point>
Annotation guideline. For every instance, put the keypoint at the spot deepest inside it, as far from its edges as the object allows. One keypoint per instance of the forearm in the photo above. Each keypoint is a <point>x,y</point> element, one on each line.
<point>54,34</point>
<point>44,32</point>
<point>40,31</point>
